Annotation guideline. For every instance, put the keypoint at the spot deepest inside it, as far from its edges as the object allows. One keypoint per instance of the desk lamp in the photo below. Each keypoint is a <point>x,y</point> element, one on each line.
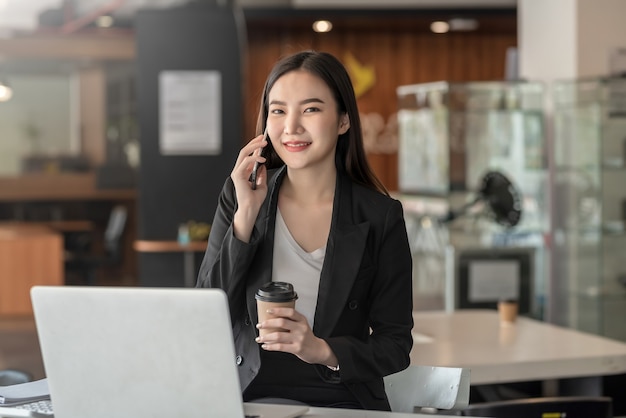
<point>503,200</point>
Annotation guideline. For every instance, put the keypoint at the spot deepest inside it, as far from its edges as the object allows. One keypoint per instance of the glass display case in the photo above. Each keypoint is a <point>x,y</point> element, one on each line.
<point>590,204</point>
<point>452,138</point>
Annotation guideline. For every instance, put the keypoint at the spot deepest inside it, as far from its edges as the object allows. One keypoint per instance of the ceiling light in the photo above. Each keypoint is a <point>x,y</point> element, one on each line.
<point>6,92</point>
<point>463,24</point>
<point>322,26</point>
<point>104,21</point>
<point>439,27</point>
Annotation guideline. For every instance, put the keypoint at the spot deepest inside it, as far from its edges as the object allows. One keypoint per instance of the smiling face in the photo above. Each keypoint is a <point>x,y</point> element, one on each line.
<point>304,121</point>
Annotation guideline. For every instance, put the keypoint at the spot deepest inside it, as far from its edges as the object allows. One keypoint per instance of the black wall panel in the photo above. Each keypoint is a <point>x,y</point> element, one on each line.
<point>175,189</point>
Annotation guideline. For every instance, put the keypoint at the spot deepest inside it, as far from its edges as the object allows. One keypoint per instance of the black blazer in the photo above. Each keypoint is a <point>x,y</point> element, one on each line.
<point>364,306</point>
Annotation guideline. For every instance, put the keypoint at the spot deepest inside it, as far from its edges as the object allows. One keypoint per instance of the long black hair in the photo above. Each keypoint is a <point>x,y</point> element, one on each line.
<point>350,153</point>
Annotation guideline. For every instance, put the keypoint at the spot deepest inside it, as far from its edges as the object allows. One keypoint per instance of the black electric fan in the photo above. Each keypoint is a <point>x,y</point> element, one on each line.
<point>502,199</point>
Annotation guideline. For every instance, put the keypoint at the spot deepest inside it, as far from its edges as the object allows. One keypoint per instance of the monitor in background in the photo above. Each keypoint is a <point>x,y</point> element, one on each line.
<point>485,276</point>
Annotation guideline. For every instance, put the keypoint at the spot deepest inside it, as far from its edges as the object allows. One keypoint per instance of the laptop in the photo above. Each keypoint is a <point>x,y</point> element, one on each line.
<point>131,352</point>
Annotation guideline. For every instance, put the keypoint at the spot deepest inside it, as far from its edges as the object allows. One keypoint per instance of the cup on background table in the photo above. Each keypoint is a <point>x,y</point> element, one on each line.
<point>273,295</point>
<point>183,234</point>
<point>507,309</point>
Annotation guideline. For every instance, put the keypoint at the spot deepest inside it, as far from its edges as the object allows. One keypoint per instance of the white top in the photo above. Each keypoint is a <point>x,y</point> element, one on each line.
<point>294,265</point>
<point>524,351</point>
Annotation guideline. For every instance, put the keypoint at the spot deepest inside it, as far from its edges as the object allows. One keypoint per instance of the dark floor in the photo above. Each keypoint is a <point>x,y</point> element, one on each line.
<point>19,346</point>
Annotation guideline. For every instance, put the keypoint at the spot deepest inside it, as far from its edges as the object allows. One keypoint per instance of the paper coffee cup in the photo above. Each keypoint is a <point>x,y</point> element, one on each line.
<point>507,310</point>
<point>273,295</point>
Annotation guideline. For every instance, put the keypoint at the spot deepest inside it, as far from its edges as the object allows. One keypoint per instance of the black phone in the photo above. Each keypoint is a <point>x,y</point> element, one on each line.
<point>255,169</point>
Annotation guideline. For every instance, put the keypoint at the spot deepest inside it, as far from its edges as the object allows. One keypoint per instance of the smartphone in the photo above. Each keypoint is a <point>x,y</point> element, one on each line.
<point>255,169</point>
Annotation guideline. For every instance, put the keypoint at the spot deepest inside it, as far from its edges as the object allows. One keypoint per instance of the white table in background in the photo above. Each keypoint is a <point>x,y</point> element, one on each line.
<point>353,413</point>
<point>528,350</point>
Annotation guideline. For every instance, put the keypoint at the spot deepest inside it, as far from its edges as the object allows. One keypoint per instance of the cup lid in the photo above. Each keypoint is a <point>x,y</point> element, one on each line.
<point>276,292</point>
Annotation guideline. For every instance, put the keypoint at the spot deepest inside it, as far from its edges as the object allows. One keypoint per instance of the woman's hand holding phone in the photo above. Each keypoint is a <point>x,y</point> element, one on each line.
<point>255,169</point>
<point>249,199</point>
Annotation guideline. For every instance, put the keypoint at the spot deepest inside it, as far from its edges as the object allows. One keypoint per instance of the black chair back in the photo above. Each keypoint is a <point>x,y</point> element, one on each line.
<point>86,264</point>
<point>114,231</point>
<point>549,407</point>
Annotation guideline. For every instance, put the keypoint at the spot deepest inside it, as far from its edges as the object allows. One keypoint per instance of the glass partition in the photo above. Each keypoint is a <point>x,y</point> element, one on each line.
<point>590,203</point>
<point>452,137</point>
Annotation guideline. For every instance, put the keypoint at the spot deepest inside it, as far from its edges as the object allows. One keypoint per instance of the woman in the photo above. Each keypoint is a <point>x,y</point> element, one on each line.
<point>319,219</point>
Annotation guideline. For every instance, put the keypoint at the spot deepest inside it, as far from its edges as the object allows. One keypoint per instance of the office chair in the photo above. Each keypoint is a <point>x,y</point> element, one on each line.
<point>549,407</point>
<point>418,387</point>
<point>87,264</point>
<point>10,377</point>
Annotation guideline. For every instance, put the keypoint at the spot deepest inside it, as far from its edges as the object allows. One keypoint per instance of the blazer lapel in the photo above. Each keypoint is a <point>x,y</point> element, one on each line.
<point>344,252</point>
<point>261,270</point>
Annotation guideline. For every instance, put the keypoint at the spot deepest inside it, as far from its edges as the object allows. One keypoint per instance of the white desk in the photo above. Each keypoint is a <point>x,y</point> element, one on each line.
<point>529,350</point>
<point>353,413</point>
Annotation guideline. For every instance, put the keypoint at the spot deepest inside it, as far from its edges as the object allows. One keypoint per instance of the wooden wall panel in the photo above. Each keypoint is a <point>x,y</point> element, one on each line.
<point>29,256</point>
<point>399,55</point>
<point>92,94</point>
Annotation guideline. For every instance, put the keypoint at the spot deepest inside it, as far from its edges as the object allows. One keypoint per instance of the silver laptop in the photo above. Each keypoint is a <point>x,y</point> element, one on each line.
<point>141,352</point>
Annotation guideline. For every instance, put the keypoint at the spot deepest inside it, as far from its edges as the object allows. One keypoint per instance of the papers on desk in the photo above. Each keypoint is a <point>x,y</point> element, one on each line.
<point>24,392</point>
<point>419,338</point>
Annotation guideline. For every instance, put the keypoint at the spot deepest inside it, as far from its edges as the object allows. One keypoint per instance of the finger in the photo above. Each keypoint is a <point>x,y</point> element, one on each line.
<point>273,337</point>
<point>243,168</point>
<point>249,148</point>
<point>259,179</point>
<point>285,324</point>
<point>278,340</point>
<point>245,164</point>
<point>283,312</point>
<point>276,347</point>
<point>250,161</point>
<point>284,345</point>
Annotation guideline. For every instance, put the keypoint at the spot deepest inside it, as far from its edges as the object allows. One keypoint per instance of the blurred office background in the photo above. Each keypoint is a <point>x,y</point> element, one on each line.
<point>75,144</point>
<point>448,91</point>
<point>81,130</point>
